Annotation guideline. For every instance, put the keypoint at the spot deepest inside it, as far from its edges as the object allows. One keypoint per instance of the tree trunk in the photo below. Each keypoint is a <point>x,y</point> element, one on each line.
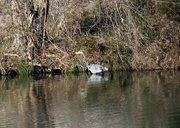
<point>37,16</point>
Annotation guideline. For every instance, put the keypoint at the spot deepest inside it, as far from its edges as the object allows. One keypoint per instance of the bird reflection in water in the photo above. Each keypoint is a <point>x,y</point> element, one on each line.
<point>96,79</point>
<point>93,80</point>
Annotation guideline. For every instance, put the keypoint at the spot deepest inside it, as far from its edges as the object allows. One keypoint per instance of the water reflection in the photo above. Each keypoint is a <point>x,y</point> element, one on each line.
<point>121,99</point>
<point>173,118</point>
<point>94,80</point>
<point>37,105</point>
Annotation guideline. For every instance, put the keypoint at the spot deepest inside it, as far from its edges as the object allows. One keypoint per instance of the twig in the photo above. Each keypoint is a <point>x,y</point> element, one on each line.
<point>2,69</point>
<point>9,54</point>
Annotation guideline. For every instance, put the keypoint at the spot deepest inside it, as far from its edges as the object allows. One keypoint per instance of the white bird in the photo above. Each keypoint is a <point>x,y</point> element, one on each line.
<point>93,68</point>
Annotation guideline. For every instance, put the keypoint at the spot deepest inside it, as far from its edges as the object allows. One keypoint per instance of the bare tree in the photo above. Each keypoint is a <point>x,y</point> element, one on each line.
<point>37,17</point>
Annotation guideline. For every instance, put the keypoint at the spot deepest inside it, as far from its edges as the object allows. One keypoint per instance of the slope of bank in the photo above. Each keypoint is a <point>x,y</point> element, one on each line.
<point>119,35</point>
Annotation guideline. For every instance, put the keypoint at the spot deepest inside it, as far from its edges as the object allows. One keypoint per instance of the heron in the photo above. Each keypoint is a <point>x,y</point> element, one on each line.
<point>93,68</point>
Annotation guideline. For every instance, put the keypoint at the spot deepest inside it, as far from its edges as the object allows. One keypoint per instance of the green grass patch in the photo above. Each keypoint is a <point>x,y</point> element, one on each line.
<point>74,69</point>
<point>24,68</point>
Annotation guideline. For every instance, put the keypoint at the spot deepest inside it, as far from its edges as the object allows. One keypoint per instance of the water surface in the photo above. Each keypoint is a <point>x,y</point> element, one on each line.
<point>115,100</point>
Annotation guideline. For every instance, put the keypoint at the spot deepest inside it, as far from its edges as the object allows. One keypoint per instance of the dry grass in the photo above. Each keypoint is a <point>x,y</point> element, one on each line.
<point>115,34</point>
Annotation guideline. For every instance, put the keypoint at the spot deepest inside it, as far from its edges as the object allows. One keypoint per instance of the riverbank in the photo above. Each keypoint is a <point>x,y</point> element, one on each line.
<point>119,35</point>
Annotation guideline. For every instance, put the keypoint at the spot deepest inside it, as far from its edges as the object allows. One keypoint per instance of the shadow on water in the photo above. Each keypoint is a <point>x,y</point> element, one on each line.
<point>120,99</point>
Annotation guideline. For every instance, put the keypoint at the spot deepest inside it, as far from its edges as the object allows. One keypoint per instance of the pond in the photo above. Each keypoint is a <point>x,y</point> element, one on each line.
<point>115,100</point>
